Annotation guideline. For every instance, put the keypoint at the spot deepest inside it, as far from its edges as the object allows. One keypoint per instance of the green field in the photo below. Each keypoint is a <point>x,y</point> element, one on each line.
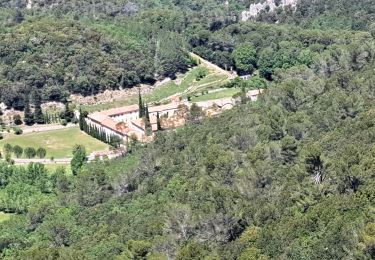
<point>221,94</point>
<point>4,216</point>
<point>58,143</point>
<point>211,81</point>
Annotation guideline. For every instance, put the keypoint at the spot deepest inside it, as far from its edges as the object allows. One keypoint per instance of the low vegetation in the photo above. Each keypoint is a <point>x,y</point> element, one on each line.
<point>290,176</point>
<point>57,143</point>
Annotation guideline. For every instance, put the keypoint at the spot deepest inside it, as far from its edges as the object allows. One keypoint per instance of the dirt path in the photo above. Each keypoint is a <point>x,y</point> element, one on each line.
<point>45,128</point>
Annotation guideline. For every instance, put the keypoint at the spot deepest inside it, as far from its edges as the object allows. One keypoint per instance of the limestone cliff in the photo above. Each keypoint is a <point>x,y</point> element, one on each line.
<point>271,5</point>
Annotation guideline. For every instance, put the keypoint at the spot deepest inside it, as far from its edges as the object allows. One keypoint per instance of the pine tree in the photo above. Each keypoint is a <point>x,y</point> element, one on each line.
<point>38,113</point>
<point>28,116</point>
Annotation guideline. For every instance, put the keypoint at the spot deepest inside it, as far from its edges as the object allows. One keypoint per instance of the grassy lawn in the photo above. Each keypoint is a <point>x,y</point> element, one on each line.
<point>58,143</point>
<point>211,81</point>
<point>221,94</point>
<point>4,216</point>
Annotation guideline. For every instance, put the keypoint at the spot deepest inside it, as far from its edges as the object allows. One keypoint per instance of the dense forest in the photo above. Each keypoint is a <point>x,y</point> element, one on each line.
<point>85,47</point>
<point>290,176</point>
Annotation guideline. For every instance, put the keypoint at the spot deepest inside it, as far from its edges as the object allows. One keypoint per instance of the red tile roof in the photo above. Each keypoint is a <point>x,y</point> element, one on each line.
<point>171,106</point>
<point>120,110</point>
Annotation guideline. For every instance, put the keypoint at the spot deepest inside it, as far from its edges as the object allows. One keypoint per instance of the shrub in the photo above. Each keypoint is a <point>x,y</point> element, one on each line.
<point>64,122</point>
<point>18,131</point>
<point>7,148</point>
<point>201,73</point>
<point>18,151</point>
<point>41,152</point>
<point>30,152</point>
<point>17,120</point>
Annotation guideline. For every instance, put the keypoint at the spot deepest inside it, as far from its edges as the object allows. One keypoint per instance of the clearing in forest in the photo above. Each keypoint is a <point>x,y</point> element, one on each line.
<point>188,84</point>
<point>58,143</point>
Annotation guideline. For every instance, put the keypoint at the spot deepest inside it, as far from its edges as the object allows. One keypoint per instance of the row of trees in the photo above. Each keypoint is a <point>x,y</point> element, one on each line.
<point>97,132</point>
<point>38,117</point>
<point>28,152</point>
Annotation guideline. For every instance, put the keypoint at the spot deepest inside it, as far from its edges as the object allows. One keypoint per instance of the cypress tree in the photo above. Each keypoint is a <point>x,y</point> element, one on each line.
<point>103,136</point>
<point>158,124</point>
<point>38,113</point>
<point>29,118</point>
<point>148,126</point>
<point>147,115</point>
<point>81,120</point>
<point>140,104</point>
<point>68,113</point>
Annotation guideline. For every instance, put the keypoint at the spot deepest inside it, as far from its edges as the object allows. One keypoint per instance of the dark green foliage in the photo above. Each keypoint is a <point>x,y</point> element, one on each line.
<point>17,119</point>
<point>68,114</point>
<point>38,113</point>
<point>18,151</point>
<point>158,123</point>
<point>141,105</point>
<point>28,115</point>
<point>245,58</point>
<point>201,73</point>
<point>82,59</point>
<point>82,120</point>
<point>98,133</point>
<point>30,152</point>
<point>17,131</point>
<point>41,152</point>
<point>290,176</point>
<point>79,158</point>
<point>289,148</point>
<point>195,113</point>
<point>7,148</point>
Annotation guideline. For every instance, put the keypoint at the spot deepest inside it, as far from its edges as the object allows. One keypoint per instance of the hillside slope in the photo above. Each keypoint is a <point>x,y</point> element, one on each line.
<point>288,177</point>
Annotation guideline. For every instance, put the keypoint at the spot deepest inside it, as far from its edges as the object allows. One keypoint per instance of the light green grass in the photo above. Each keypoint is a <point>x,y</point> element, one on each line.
<point>221,94</point>
<point>168,89</point>
<point>4,216</point>
<point>58,143</point>
<point>212,79</point>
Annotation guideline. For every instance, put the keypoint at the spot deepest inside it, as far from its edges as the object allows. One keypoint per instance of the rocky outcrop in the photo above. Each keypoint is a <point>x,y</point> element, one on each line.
<point>29,4</point>
<point>268,5</point>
